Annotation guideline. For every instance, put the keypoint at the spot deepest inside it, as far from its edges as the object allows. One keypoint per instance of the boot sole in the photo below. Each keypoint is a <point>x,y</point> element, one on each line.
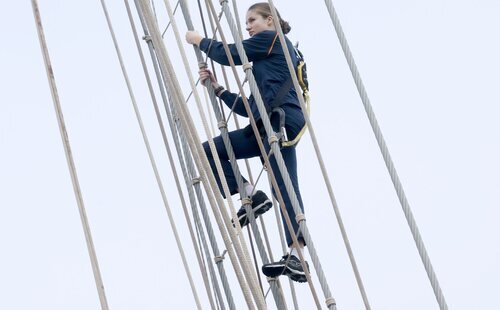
<point>278,270</point>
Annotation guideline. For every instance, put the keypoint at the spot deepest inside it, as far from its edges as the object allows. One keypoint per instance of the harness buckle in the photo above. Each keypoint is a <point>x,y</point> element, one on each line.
<point>281,134</point>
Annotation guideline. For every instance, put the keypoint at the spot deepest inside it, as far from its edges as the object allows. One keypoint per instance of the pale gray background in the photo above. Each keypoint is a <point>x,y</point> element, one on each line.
<point>430,69</point>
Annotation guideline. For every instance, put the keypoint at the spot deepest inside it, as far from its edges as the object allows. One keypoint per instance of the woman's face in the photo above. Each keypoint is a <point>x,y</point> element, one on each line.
<point>257,23</point>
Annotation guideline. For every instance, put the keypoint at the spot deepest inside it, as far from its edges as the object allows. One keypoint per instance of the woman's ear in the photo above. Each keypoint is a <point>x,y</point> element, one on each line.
<point>270,20</point>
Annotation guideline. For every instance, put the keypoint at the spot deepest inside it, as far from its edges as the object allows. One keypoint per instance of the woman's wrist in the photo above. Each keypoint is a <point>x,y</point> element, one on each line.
<point>219,90</point>
<point>193,37</point>
<point>198,40</point>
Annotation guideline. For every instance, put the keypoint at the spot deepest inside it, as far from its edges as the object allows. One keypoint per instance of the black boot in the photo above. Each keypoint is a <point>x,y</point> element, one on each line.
<point>260,204</point>
<point>289,266</point>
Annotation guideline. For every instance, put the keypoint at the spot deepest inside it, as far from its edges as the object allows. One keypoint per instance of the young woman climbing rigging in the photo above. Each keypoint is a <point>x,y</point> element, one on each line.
<point>271,74</point>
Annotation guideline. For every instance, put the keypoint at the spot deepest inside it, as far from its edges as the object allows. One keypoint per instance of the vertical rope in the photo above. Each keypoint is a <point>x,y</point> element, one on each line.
<point>228,87</point>
<point>279,159</point>
<point>387,158</point>
<point>69,157</point>
<point>224,133</point>
<point>237,17</point>
<point>235,118</point>
<point>279,224</point>
<point>170,158</point>
<point>150,154</point>
<point>208,180</point>
<point>204,121</point>
<point>189,174</point>
<point>326,178</point>
<point>262,111</point>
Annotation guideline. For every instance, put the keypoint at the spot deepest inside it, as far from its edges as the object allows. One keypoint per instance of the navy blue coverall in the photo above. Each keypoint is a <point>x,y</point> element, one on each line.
<point>271,71</point>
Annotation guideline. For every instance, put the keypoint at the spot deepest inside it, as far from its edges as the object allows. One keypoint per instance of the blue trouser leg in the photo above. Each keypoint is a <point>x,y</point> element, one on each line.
<point>294,121</point>
<point>244,146</point>
<point>290,159</point>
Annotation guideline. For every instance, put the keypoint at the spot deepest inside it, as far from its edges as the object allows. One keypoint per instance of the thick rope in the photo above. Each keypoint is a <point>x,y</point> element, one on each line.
<point>262,111</point>
<point>191,172</point>
<point>279,158</point>
<point>177,130</point>
<point>170,158</point>
<point>213,242</point>
<point>387,158</point>
<point>209,110</point>
<point>284,249</point>
<point>235,118</point>
<point>280,302</point>
<point>174,123</point>
<point>237,17</point>
<point>197,191</point>
<point>263,152</point>
<point>228,87</point>
<point>190,183</point>
<point>278,297</point>
<point>336,209</point>
<point>224,132</point>
<point>206,35</point>
<point>204,121</point>
<point>151,157</point>
<point>208,180</point>
<point>69,157</point>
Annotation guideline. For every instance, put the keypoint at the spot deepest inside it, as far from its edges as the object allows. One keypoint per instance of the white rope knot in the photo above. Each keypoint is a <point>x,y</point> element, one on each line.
<point>222,124</point>
<point>202,65</point>
<point>222,2</point>
<point>220,258</point>
<point>330,302</point>
<point>271,279</point>
<point>300,217</point>
<point>196,180</point>
<point>246,201</point>
<point>273,139</point>
<point>247,66</point>
<point>147,38</point>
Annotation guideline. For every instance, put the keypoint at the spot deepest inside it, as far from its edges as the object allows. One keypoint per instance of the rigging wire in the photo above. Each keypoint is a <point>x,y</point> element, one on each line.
<point>208,180</point>
<point>69,157</point>
<point>275,148</point>
<point>168,25</point>
<point>170,157</point>
<point>151,157</point>
<point>187,166</point>
<point>200,109</point>
<point>246,202</point>
<point>387,158</point>
<point>320,160</point>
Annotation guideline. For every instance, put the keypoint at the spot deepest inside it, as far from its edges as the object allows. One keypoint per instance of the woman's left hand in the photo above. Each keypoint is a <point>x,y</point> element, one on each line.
<point>193,37</point>
<point>206,74</point>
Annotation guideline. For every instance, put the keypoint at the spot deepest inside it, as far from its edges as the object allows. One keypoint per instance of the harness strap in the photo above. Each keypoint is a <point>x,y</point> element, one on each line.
<point>272,45</point>
<point>275,106</point>
<point>283,91</point>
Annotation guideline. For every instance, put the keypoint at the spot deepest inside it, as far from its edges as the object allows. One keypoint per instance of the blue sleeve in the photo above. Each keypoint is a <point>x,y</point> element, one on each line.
<point>256,48</point>
<point>231,99</point>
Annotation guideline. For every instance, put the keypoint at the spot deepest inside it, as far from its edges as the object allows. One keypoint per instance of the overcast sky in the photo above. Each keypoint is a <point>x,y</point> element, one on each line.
<point>431,69</point>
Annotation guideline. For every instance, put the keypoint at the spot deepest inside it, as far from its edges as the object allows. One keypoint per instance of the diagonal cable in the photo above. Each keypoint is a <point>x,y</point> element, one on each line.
<point>151,157</point>
<point>69,157</point>
<point>387,158</point>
